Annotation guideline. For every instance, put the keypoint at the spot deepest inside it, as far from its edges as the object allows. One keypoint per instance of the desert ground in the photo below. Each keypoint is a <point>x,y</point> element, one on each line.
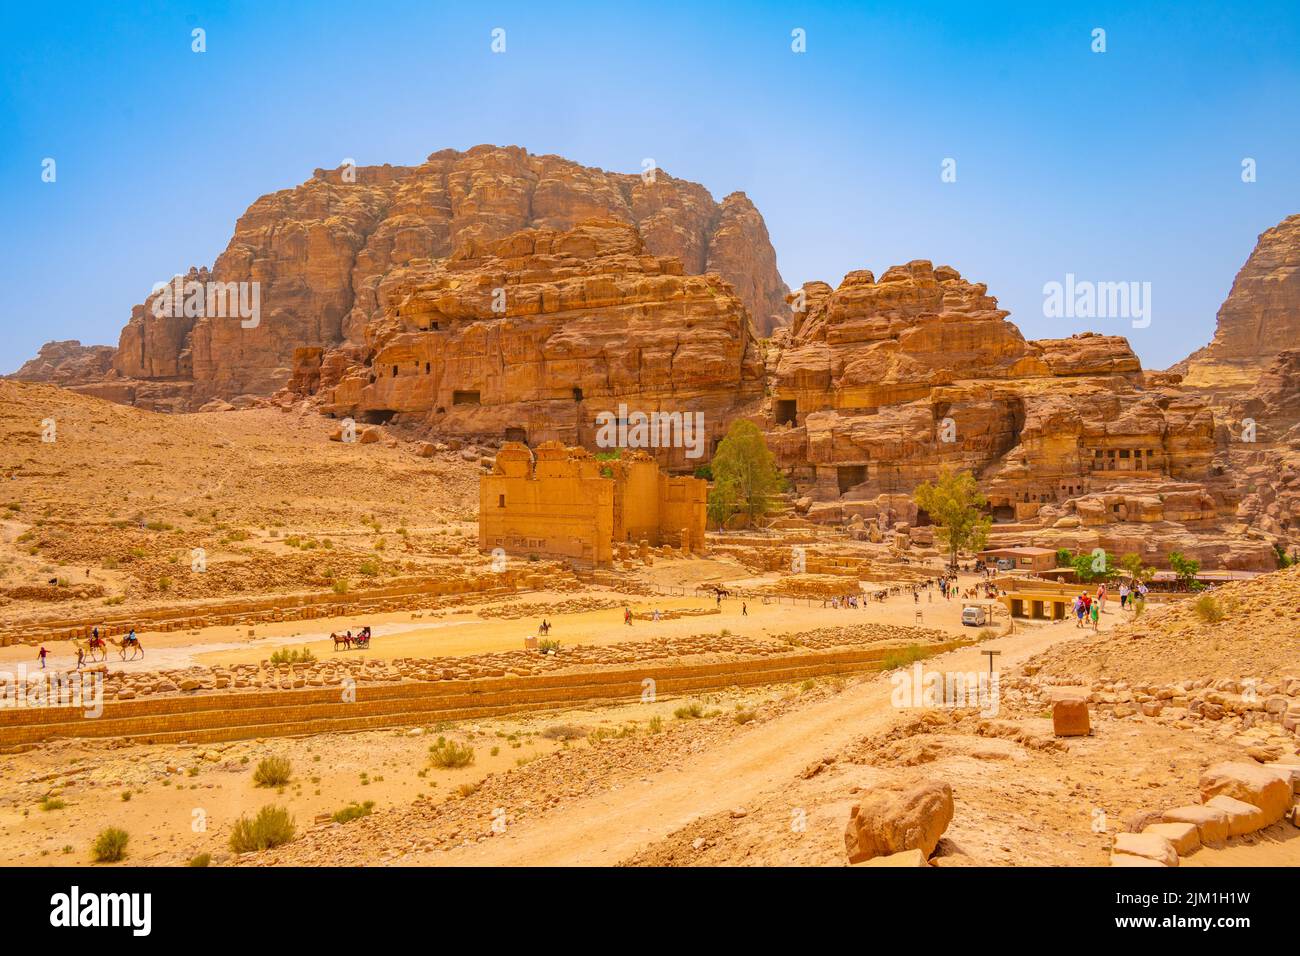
<point>771,713</point>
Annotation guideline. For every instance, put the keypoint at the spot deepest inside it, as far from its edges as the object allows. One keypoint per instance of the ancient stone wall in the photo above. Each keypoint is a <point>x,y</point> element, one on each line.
<point>562,503</point>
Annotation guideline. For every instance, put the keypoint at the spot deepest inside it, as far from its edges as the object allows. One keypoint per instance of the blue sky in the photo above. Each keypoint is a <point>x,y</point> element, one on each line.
<point>1115,166</point>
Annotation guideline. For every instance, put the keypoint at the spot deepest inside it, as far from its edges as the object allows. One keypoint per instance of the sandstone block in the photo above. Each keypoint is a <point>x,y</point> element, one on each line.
<point>1243,817</point>
<point>1211,823</point>
<point>1184,836</point>
<point>1070,718</point>
<point>1128,859</point>
<point>1149,845</point>
<point>1250,783</point>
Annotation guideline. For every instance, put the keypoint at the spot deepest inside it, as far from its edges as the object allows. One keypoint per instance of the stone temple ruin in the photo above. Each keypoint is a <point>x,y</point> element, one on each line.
<point>563,503</point>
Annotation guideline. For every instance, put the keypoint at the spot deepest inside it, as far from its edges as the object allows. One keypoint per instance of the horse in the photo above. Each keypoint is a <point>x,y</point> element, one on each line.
<point>340,639</point>
<point>131,642</point>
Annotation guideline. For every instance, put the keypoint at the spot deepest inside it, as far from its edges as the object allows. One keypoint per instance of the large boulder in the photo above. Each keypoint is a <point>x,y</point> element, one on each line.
<point>893,817</point>
<point>1261,787</point>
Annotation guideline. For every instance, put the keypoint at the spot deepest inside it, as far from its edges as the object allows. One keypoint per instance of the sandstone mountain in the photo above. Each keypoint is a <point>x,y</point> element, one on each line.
<point>1260,317</point>
<point>321,252</point>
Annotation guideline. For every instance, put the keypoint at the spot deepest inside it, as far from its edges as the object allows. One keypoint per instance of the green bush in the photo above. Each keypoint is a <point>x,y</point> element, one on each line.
<point>354,811</point>
<point>270,828</point>
<point>902,658</point>
<point>691,711</point>
<point>1208,609</point>
<point>110,845</point>
<point>448,754</point>
<point>286,656</point>
<point>203,859</point>
<point>272,772</point>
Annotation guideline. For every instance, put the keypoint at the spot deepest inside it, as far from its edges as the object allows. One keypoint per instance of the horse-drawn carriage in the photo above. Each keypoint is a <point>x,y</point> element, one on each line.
<point>349,640</point>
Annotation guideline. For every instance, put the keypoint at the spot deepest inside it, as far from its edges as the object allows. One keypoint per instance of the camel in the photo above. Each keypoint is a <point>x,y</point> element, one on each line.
<point>135,645</point>
<point>90,647</point>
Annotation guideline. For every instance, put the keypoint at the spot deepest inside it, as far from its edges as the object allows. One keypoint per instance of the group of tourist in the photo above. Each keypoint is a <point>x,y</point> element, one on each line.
<point>1130,597</point>
<point>1087,609</point>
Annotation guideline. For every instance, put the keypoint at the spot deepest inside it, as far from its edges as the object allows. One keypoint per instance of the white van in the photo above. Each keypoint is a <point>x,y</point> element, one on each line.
<point>974,615</point>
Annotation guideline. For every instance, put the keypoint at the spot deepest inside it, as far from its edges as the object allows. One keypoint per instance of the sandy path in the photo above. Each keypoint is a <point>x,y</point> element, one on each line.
<point>603,830</point>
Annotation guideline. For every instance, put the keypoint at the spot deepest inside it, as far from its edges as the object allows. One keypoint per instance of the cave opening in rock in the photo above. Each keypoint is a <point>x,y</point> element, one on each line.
<point>786,411</point>
<point>923,518</point>
<point>377,416</point>
<point>517,434</point>
<point>1004,514</point>
<point>464,398</point>
<point>850,475</point>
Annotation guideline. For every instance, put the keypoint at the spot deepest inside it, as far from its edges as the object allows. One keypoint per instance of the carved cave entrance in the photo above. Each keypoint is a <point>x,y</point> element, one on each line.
<point>786,411</point>
<point>850,475</point>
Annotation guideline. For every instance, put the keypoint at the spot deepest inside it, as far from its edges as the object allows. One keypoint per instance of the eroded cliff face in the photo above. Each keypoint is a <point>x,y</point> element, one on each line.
<point>320,253</point>
<point>879,384</point>
<point>537,335</point>
<point>1264,431</point>
<point>1259,319</point>
<point>66,363</point>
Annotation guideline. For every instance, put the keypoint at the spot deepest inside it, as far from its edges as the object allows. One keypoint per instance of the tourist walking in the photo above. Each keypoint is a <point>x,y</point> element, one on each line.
<point>1096,615</point>
<point>42,655</point>
<point>627,616</point>
<point>744,609</point>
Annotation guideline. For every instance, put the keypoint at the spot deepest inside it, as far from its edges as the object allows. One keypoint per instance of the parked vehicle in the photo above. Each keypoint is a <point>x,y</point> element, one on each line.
<point>974,615</point>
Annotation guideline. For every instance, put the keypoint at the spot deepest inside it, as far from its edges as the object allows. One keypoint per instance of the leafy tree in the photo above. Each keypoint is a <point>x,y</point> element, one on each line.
<point>1186,569</point>
<point>1132,565</point>
<point>722,503</point>
<point>956,506</point>
<point>745,467</point>
<point>1085,571</point>
<point>1064,558</point>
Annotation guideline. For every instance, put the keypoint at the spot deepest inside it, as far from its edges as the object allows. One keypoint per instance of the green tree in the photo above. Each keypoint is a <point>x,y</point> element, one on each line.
<point>1132,565</point>
<point>1064,558</point>
<point>1186,569</point>
<point>744,468</point>
<point>956,506</point>
<point>1086,568</point>
<point>722,503</point>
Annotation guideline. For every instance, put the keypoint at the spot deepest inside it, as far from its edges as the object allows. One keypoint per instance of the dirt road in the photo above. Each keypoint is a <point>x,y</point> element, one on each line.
<point>606,829</point>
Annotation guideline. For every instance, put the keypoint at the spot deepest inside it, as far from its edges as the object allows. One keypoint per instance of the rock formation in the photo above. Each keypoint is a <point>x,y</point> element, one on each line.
<point>319,254</point>
<point>499,295</point>
<point>66,363</point>
<point>587,319</point>
<point>881,383</point>
<point>1260,317</point>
